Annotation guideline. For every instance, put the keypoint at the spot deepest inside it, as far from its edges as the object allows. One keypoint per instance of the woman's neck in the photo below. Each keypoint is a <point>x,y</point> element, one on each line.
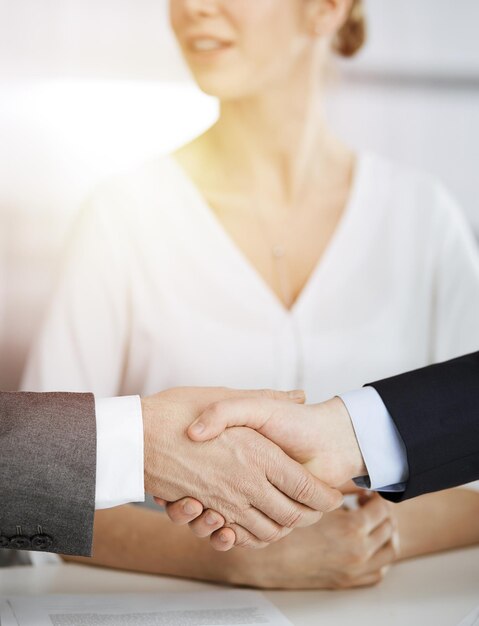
<point>276,138</point>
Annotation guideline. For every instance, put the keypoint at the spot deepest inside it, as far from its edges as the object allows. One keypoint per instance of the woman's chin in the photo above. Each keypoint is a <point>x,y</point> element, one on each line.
<point>220,84</point>
<point>221,91</point>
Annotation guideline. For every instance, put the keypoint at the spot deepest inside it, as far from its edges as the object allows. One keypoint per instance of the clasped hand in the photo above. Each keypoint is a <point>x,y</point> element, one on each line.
<point>246,484</point>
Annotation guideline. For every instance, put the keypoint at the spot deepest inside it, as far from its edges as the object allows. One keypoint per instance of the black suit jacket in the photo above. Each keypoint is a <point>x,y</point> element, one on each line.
<point>436,411</point>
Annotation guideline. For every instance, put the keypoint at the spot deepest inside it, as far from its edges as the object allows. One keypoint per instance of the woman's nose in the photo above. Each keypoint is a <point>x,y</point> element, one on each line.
<point>203,8</point>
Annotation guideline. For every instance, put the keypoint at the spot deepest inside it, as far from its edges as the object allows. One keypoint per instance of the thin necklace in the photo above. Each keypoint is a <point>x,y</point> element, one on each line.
<point>279,261</point>
<point>279,256</point>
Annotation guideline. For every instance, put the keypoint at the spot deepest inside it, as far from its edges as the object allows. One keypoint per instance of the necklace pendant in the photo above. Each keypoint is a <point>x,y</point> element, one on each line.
<point>278,252</point>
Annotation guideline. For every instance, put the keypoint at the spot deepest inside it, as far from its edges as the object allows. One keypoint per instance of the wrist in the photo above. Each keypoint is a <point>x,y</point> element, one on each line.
<point>353,455</point>
<point>150,447</point>
<point>338,456</point>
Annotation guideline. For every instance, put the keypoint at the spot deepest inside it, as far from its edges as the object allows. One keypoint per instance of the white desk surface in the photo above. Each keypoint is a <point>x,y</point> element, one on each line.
<point>435,591</point>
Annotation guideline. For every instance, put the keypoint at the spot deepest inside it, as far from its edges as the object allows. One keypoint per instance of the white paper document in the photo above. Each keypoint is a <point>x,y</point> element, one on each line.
<point>7,618</point>
<point>216,608</point>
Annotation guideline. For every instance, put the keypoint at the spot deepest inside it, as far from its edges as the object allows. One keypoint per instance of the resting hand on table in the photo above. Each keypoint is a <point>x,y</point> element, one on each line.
<point>260,492</point>
<point>348,548</point>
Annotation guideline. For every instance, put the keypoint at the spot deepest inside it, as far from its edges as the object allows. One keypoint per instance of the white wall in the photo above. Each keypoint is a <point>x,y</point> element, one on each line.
<point>413,94</point>
<point>91,86</point>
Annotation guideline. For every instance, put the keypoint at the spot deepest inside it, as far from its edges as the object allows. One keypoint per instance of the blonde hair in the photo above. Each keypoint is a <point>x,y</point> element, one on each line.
<point>352,35</point>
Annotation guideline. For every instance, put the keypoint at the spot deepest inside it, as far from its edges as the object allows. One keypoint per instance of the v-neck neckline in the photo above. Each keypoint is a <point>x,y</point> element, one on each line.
<point>244,264</point>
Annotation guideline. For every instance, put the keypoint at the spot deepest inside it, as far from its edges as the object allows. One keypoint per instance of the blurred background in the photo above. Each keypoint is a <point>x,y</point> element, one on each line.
<point>92,87</point>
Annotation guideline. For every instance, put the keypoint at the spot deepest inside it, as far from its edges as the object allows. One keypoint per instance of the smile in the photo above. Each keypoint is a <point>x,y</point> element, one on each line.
<point>205,45</point>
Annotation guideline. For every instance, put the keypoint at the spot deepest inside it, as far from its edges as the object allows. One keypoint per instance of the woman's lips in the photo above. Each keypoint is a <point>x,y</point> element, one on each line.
<point>207,46</point>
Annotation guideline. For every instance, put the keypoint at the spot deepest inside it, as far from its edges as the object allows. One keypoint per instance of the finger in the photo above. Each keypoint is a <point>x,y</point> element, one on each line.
<point>207,397</point>
<point>373,513</point>
<point>301,486</point>
<point>383,558</point>
<point>251,412</point>
<point>380,536</point>
<point>283,510</point>
<point>246,539</point>
<point>368,580</point>
<point>295,395</point>
<point>207,523</point>
<point>184,511</point>
<point>160,501</point>
<point>396,539</point>
<point>258,525</point>
<point>223,539</point>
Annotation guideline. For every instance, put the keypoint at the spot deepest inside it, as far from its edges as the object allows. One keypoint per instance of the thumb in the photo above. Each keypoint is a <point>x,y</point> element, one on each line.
<point>296,395</point>
<point>251,412</point>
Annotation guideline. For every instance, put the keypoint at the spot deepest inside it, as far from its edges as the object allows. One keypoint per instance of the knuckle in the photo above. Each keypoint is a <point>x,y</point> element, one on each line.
<point>243,541</point>
<point>270,539</point>
<point>293,518</point>
<point>274,535</point>
<point>214,410</point>
<point>305,490</point>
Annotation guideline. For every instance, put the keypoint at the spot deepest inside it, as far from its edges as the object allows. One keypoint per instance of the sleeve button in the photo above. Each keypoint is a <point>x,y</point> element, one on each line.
<point>41,542</point>
<point>19,542</point>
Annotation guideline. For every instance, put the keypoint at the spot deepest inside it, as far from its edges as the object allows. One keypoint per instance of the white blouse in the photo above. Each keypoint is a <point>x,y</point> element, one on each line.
<point>156,294</point>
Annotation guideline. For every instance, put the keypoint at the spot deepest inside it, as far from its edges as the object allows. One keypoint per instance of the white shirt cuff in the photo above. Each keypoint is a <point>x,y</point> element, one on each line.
<point>381,445</point>
<point>119,452</point>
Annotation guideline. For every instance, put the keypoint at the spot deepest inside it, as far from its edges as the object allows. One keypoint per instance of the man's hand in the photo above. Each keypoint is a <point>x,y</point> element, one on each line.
<point>259,491</point>
<point>320,436</point>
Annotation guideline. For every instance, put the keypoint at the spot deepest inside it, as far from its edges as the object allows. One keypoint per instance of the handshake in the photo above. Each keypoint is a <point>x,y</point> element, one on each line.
<point>246,467</point>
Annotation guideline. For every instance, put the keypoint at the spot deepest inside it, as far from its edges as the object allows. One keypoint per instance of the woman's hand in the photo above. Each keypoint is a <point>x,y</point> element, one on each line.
<point>209,523</point>
<point>347,548</point>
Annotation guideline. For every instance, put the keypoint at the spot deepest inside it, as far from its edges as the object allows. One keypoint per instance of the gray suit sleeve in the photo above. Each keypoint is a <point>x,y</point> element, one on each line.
<point>47,471</point>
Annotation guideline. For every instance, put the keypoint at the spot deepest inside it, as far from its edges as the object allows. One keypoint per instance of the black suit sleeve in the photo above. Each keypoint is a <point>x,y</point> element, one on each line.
<point>436,411</point>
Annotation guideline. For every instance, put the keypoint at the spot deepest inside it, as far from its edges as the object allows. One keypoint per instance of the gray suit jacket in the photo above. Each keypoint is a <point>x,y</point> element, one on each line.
<point>47,471</point>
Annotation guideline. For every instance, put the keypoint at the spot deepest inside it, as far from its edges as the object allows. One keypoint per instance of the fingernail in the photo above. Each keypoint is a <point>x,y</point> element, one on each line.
<point>297,394</point>
<point>189,508</point>
<point>197,428</point>
<point>211,520</point>
<point>224,538</point>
